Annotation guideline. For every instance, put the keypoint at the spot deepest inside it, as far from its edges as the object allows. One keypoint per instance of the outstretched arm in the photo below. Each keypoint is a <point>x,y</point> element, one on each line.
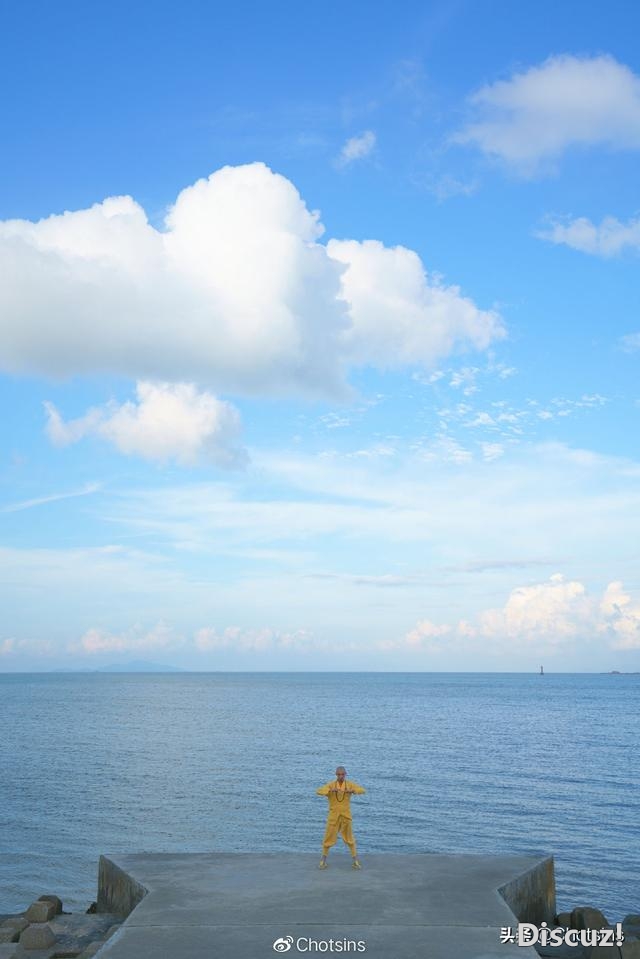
<point>324,790</point>
<point>356,789</point>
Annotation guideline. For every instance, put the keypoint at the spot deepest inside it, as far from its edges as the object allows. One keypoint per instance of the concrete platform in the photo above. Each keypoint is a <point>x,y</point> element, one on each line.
<point>236,905</point>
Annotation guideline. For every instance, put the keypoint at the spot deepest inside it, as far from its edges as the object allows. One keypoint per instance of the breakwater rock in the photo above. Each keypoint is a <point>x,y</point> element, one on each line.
<point>585,919</point>
<point>45,931</point>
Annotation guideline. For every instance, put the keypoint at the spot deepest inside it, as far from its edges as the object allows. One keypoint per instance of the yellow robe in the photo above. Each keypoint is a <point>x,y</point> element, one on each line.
<point>339,820</point>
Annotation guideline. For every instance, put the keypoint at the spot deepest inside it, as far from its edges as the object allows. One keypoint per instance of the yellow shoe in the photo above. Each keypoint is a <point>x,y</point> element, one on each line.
<point>355,864</point>
<point>322,864</point>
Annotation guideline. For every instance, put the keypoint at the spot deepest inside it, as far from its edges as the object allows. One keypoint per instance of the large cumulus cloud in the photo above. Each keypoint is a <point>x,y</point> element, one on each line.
<point>237,293</point>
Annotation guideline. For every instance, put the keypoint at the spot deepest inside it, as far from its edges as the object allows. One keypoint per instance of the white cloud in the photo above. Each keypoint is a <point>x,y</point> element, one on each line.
<point>630,343</point>
<point>400,318</point>
<point>32,647</point>
<point>608,239</point>
<point>465,379</point>
<point>529,120</point>
<point>250,640</point>
<point>446,186</point>
<point>357,148</point>
<point>621,617</point>
<point>545,617</point>
<point>168,421</point>
<point>492,451</point>
<point>510,422</point>
<point>96,641</point>
<point>237,294</point>
<point>482,419</point>
<point>425,632</point>
<point>552,612</point>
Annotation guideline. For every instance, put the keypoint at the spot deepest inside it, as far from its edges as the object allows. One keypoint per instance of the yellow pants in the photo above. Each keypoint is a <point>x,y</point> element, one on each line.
<point>338,827</point>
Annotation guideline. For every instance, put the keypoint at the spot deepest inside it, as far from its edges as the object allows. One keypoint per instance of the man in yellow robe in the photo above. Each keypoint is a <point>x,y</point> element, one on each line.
<point>339,823</point>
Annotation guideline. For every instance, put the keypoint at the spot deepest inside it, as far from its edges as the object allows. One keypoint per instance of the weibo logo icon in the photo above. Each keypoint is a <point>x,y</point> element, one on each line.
<point>283,944</point>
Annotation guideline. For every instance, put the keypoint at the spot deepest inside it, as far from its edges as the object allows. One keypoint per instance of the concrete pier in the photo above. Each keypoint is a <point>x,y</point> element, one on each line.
<point>237,905</point>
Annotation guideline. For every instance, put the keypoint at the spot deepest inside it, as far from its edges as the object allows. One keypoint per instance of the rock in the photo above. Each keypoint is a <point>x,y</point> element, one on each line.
<point>111,930</point>
<point>564,919</point>
<point>55,900</point>
<point>75,931</point>
<point>630,949</point>
<point>40,911</point>
<point>92,908</point>
<point>15,922</point>
<point>603,952</point>
<point>8,951</point>
<point>585,917</point>
<point>39,935</point>
<point>563,951</point>
<point>631,926</point>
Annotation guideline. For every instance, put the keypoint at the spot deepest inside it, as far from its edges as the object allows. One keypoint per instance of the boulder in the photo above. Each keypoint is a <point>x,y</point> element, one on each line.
<point>585,917</point>
<point>40,911</point>
<point>39,935</point>
<point>630,949</point>
<point>76,931</point>
<point>564,919</point>
<point>15,922</point>
<point>55,900</point>
<point>9,951</point>
<point>603,952</point>
<point>563,951</point>
<point>631,926</point>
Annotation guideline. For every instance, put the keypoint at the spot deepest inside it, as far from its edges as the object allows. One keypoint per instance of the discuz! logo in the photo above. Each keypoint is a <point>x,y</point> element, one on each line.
<point>283,944</point>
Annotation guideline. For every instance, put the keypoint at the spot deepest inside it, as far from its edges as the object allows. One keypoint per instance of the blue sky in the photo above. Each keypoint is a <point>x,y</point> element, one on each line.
<point>319,336</point>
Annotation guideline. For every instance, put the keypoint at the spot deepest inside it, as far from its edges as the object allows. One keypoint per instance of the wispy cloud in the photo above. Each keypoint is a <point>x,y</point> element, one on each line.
<point>445,186</point>
<point>357,148</point>
<point>291,534</point>
<point>630,343</point>
<point>608,239</point>
<point>52,498</point>
<point>502,421</point>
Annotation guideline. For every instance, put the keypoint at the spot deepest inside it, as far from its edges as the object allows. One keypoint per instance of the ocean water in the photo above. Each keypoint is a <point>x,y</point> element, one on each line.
<point>481,763</point>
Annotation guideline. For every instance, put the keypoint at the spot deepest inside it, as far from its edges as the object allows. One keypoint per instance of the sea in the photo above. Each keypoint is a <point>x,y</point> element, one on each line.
<point>95,763</point>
